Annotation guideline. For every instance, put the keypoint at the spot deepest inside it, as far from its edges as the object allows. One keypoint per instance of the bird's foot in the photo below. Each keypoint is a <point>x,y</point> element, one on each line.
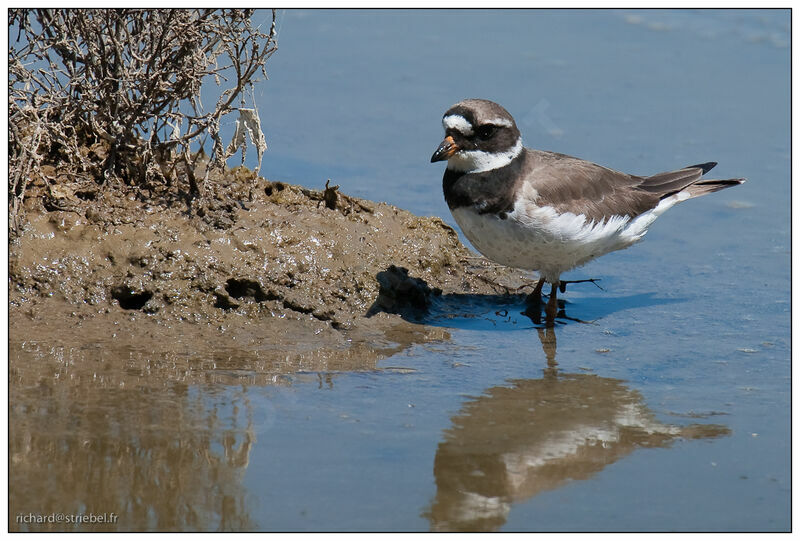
<point>563,283</point>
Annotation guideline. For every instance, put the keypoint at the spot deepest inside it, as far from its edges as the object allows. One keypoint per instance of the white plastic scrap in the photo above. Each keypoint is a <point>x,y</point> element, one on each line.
<point>248,122</point>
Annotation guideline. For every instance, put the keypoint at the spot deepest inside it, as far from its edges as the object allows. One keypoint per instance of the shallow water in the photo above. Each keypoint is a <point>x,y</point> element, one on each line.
<point>667,409</point>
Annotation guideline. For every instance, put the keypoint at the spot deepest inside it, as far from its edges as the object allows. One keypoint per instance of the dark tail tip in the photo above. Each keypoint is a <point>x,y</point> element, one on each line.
<point>706,167</point>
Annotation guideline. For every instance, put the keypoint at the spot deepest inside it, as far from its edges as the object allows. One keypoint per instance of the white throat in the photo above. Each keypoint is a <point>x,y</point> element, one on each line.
<point>478,161</point>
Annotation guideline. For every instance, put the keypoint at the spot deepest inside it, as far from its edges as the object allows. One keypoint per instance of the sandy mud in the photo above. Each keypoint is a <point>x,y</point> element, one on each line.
<point>280,273</point>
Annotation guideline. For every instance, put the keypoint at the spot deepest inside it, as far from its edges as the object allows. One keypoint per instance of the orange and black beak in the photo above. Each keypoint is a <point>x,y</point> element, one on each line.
<point>445,150</point>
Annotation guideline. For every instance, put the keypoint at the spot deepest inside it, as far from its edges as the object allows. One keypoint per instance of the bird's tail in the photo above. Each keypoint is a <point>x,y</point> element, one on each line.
<point>687,181</point>
<point>702,187</point>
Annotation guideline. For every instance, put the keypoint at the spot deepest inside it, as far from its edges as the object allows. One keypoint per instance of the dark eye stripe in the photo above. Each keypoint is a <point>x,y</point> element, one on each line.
<point>486,131</point>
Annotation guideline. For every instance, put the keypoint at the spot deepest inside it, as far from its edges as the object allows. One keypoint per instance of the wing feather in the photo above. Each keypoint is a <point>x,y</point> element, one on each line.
<point>570,184</point>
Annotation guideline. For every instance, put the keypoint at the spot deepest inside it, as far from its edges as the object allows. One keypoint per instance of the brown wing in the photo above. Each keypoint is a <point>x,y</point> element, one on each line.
<point>573,185</point>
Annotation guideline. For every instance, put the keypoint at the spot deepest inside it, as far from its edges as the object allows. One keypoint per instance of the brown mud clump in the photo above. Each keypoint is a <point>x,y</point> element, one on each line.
<point>269,264</point>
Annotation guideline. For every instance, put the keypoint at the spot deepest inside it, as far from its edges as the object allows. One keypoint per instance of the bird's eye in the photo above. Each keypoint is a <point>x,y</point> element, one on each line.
<point>486,131</point>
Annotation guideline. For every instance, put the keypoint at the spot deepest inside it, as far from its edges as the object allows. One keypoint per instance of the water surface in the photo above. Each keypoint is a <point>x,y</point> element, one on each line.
<point>669,410</point>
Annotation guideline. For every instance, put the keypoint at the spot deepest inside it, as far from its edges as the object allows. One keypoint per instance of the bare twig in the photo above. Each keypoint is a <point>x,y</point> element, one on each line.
<point>130,78</point>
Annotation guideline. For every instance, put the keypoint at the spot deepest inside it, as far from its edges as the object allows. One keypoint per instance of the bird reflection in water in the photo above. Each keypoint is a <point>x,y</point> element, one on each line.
<point>535,435</point>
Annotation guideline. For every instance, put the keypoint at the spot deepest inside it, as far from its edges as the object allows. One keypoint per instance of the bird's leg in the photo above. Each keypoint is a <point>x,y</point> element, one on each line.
<point>535,298</point>
<point>533,303</point>
<point>552,306</point>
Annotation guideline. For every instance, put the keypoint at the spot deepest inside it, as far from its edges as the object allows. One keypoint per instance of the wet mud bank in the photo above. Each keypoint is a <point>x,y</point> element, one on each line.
<point>267,268</point>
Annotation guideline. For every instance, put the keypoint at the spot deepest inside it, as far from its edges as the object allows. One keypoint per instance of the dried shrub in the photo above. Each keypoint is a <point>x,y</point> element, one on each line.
<point>115,93</point>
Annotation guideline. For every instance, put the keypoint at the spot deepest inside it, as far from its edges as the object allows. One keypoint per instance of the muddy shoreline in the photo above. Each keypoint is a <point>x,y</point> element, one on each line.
<point>264,267</point>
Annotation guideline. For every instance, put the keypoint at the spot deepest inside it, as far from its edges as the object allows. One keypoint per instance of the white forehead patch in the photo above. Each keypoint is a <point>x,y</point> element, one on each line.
<point>458,123</point>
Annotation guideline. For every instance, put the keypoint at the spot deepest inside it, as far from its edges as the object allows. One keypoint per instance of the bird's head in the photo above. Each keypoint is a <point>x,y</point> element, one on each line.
<point>480,135</point>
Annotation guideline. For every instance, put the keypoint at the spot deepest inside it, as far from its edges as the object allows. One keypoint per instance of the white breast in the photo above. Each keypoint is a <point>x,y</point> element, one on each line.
<point>540,239</point>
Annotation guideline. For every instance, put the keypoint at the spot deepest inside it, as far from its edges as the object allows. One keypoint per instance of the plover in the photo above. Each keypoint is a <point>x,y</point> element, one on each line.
<point>545,211</point>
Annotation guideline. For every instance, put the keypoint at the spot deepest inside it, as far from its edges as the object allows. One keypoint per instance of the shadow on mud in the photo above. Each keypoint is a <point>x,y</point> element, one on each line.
<point>415,301</point>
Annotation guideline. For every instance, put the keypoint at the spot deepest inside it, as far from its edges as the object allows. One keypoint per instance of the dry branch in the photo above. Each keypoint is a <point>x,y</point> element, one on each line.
<point>125,82</point>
